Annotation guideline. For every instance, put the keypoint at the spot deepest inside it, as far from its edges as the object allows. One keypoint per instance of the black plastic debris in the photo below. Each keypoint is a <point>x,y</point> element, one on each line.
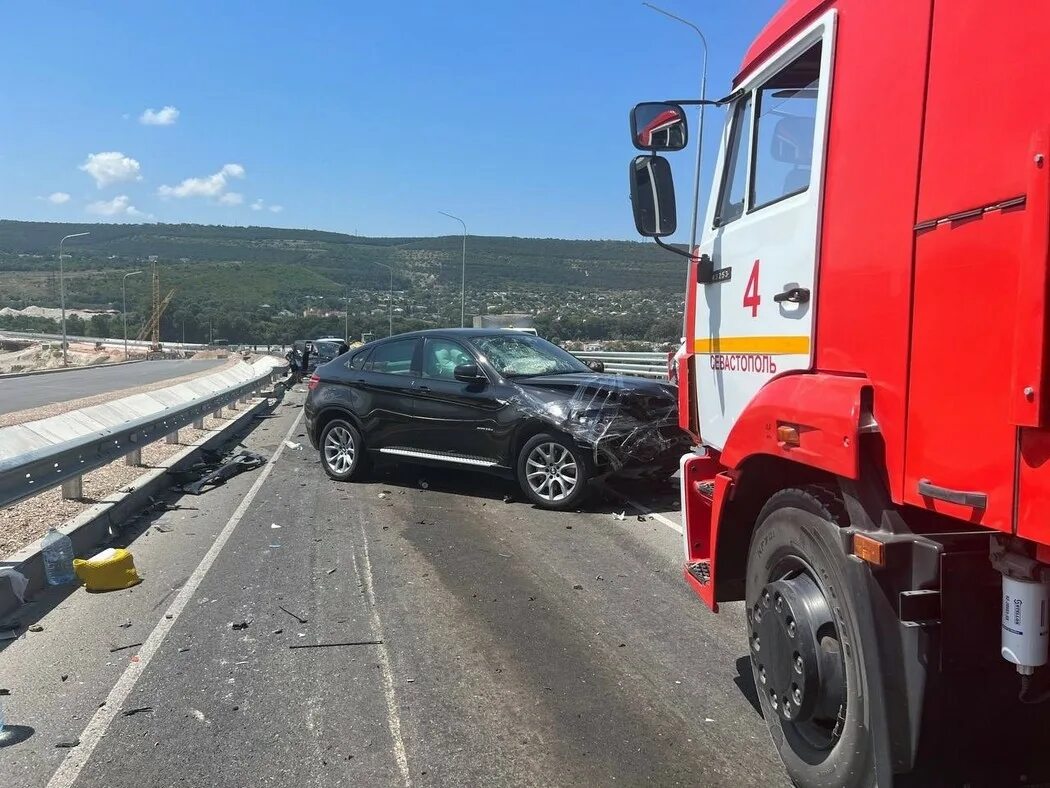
<point>115,649</point>
<point>335,645</point>
<point>139,710</point>
<point>216,470</point>
<point>298,618</point>
<point>67,744</point>
<point>240,625</point>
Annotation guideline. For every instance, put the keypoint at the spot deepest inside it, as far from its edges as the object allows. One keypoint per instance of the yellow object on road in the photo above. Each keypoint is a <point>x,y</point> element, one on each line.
<point>110,570</point>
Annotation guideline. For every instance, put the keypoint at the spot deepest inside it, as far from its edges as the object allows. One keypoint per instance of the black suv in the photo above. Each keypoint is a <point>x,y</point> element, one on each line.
<point>496,400</point>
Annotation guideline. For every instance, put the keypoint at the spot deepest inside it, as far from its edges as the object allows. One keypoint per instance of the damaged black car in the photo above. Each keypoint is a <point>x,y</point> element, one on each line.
<point>505,402</point>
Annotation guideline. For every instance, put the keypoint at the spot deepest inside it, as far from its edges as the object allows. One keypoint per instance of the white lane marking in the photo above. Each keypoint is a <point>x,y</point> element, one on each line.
<point>393,718</point>
<point>70,768</point>
<point>657,516</point>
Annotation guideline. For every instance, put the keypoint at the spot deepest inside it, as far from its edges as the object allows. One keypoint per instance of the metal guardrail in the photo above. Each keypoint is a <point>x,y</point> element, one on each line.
<point>646,365</point>
<point>38,455</point>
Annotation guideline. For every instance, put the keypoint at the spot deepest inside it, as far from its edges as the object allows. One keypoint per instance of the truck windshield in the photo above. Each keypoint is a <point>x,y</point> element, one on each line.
<point>523,354</point>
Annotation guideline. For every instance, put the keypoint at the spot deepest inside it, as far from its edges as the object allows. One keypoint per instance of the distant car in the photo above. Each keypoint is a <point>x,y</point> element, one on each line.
<point>327,348</point>
<point>505,402</point>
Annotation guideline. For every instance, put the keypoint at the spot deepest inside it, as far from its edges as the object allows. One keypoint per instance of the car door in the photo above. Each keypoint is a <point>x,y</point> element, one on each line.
<point>754,309</point>
<point>385,386</point>
<point>454,420</point>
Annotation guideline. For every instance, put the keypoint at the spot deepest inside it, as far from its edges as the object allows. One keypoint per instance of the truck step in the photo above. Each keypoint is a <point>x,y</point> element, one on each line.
<point>701,570</point>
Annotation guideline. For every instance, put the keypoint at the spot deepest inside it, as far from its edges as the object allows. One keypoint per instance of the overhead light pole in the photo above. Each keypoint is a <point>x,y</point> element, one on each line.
<point>62,294</point>
<point>462,274</point>
<point>389,298</point>
<point>124,293</point>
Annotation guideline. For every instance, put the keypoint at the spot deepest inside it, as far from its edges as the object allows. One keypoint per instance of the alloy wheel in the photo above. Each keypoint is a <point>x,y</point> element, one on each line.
<point>339,450</point>
<point>551,471</point>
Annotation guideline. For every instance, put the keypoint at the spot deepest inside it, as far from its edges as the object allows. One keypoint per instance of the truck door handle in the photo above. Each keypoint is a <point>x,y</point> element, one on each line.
<point>975,500</point>
<point>796,295</point>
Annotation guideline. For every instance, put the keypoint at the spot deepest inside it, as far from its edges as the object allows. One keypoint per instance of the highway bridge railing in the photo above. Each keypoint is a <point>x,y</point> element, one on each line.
<point>646,365</point>
<point>38,455</point>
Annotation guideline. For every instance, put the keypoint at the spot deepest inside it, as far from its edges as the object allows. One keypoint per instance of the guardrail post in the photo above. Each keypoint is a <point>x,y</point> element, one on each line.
<point>232,405</point>
<point>73,489</point>
<point>217,414</point>
<point>134,457</point>
<point>173,437</point>
<point>198,424</point>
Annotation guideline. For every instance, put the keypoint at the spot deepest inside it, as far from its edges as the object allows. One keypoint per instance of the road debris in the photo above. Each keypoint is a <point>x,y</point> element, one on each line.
<point>274,525</point>
<point>331,571</point>
<point>67,744</point>
<point>577,587</point>
<point>620,515</point>
<point>298,618</point>
<point>125,625</point>
<point>334,645</point>
<point>64,676</point>
<point>133,712</point>
<point>216,470</point>
<point>36,628</point>
<point>115,649</point>
<point>184,649</point>
<point>508,499</point>
<point>278,631</point>
<point>642,518</point>
<point>163,529</point>
<point>240,625</point>
<point>293,445</point>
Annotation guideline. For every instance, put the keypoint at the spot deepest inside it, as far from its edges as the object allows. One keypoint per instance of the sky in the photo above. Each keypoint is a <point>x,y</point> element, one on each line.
<point>359,117</point>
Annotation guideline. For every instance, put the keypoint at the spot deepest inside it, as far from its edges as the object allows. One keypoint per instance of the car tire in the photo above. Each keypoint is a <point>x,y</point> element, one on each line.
<point>343,453</point>
<point>566,468</point>
<point>805,646</point>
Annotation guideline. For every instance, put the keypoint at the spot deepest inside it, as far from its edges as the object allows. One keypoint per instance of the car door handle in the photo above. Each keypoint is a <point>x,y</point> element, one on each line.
<point>424,389</point>
<point>796,295</point>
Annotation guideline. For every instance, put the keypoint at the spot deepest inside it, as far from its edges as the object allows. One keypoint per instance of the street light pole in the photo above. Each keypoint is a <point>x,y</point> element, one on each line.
<point>124,293</point>
<point>62,293</point>
<point>462,274</point>
<point>346,315</point>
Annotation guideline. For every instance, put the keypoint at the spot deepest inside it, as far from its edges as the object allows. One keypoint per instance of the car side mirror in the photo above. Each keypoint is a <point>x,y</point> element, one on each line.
<point>468,373</point>
<point>595,365</point>
<point>652,197</point>
<point>659,126</point>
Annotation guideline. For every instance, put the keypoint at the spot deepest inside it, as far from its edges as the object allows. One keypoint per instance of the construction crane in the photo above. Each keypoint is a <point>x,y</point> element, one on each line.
<point>151,328</point>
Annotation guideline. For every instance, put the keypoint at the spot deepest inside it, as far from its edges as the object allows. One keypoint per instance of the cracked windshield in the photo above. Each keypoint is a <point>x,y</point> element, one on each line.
<point>361,423</point>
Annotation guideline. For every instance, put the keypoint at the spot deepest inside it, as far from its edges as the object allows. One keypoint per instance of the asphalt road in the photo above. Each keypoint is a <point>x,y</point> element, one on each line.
<point>32,391</point>
<point>520,647</point>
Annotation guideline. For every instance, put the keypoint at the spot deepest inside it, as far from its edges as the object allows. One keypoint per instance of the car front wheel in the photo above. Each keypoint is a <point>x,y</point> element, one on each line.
<point>553,472</point>
<point>342,451</point>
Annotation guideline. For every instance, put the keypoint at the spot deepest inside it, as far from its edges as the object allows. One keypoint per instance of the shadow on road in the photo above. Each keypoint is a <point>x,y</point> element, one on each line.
<point>15,734</point>
<point>745,682</point>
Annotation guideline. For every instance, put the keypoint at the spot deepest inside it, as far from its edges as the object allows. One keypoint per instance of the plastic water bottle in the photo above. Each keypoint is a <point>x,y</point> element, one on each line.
<point>58,558</point>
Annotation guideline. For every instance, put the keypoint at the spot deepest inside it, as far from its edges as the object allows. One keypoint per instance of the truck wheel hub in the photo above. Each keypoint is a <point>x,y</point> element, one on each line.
<point>796,652</point>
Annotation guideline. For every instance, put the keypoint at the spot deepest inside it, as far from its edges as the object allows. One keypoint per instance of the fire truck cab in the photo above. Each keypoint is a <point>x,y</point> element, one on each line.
<point>865,377</point>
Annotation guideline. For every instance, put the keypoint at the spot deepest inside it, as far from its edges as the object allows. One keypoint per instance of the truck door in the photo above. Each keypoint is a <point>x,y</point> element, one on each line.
<point>754,312</point>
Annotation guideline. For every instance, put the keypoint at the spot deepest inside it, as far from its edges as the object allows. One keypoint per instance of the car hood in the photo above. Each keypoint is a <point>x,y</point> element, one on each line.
<point>599,381</point>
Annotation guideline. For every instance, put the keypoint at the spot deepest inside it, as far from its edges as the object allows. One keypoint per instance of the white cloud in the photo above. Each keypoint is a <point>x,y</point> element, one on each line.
<point>207,186</point>
<point>119,205</point>
<point>276,208</point>
<point>111,167</point>
<point>257,205</point>
<point>159,117</point>
<point>58,198</point>
<point>231,198</point>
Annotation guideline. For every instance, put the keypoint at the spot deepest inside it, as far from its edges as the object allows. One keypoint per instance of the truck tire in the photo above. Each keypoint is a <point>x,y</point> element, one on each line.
<point>804,643</point>
<point>343,453</point>
<point>553,472</point>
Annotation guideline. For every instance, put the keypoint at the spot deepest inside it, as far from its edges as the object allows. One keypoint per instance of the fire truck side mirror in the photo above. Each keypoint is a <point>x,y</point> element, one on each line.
<point>659,126</point>
<point>652,197</point>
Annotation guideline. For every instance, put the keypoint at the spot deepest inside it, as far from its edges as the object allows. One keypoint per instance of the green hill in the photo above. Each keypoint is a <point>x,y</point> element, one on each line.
<point>243,278</point>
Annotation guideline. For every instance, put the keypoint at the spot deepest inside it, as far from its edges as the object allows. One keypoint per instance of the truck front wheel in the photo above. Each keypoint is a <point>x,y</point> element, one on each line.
<point>804,644</point>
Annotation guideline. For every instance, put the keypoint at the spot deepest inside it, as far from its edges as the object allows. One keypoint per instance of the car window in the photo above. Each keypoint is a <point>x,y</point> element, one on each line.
<point>785,120</point>
<point>519,354</point>
<point>357,361</point>
<point>442,356</point>
<point>393,358</point>
<point>734,171</point>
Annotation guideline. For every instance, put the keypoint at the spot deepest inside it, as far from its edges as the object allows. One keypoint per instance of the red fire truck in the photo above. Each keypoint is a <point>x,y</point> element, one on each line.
<point>865,377</point>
